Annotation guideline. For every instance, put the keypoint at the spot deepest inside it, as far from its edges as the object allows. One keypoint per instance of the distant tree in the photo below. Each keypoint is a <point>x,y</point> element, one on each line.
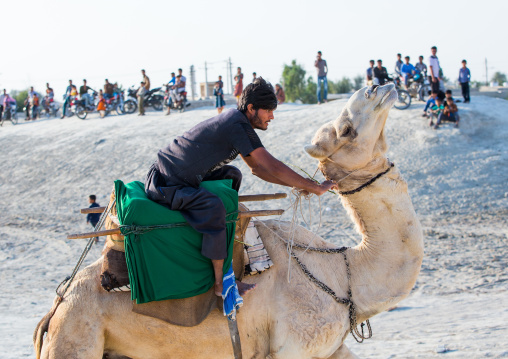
<point>358,82</point>
<point>332,87</point>
<point>295,85</point>
<point>499,77</point>
<point>309,95</point>
<point>344,85</point>
<point>20,97</point>
<point>293,80</point>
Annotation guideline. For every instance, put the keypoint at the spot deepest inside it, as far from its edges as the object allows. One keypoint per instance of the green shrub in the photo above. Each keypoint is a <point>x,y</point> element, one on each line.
<point>20,97</point>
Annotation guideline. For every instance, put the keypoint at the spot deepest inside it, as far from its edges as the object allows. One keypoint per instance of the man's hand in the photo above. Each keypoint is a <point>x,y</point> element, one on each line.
<point>268,168</point>
<point>325,187</point>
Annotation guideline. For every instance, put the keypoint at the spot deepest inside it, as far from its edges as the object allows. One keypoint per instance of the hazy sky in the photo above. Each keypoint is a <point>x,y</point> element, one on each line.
<point>55,40</point>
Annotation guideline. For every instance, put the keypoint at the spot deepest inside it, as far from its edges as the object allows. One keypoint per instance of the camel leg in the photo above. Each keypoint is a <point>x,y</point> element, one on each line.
<point>80,338</point>
<point>343,353</point>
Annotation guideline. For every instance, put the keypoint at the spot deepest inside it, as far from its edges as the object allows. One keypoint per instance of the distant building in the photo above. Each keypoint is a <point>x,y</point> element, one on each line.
<point>203,89</point>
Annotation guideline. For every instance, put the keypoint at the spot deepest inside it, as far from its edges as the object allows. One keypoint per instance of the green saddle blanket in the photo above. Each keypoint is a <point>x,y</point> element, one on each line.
<point>166,263</point>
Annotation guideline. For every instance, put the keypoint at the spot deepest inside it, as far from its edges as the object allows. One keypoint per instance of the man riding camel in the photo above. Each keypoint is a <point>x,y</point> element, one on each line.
<point>203,152</point>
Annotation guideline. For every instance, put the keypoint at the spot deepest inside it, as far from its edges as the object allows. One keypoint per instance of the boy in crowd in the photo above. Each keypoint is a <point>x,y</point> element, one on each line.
<point>436,110</point>
<point>141,97</point>
<point>420,66</point>
<point>370,73</point>
<point>407,71</point>
<point>431,102</point>
<point>450,113</point>
<point>464,78</point>
<point>398,65</point>
<point>434,69</point>
<point>93,218</point>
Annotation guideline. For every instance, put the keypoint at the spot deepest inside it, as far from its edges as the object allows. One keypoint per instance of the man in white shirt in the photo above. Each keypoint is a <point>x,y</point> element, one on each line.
<point>434,70</point>
<point>183,82</point>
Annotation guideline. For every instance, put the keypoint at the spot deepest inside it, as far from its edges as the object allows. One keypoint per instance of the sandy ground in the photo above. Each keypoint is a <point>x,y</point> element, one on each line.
<point>457,179</point>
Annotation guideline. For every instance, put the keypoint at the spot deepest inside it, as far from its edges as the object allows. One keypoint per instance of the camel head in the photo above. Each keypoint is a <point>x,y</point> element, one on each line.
<point>355,140</point>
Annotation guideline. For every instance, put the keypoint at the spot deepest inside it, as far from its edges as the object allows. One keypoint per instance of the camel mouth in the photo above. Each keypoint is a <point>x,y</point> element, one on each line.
<point>390,96</point>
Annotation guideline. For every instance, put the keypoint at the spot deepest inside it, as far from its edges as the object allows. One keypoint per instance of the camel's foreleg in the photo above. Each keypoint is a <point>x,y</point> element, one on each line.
<point>343,353</point>
<point>73,334</point>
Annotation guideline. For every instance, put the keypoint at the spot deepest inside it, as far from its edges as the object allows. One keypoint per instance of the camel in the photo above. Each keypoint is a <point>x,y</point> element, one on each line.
<point>279,319</point>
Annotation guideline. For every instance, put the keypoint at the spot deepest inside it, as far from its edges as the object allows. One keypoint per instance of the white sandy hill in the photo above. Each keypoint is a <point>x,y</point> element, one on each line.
<point>457,179</point>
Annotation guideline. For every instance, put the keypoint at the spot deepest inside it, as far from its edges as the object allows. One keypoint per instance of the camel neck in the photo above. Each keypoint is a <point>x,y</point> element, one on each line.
<point>386,263</point>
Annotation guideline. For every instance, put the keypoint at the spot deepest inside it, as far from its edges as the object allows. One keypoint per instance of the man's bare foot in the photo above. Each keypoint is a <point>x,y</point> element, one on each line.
<point>244,288</point>
<point>218,289</point>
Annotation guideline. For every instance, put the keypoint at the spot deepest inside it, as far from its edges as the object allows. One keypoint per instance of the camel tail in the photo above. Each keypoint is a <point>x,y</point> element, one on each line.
<point>42,328</point>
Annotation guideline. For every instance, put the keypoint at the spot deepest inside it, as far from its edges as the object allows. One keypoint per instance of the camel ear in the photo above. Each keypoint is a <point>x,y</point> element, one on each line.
<point>315,151</point>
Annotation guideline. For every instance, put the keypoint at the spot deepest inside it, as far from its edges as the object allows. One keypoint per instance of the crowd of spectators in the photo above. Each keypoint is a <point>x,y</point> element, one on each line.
<point>440,105</point>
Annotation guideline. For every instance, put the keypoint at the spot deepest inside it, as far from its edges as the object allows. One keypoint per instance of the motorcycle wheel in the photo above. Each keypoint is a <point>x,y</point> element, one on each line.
<point>14,119</point>
<point>403,100</point>
<point>157,102</point>
<point>130,106</point>
<point>423,92</point>
<point>119,109</point>
<point>80,112</point>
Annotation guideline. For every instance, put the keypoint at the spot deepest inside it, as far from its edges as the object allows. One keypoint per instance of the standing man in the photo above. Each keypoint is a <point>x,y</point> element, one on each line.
<point>108,90</point>
<point>421,67</point>
<point>398,64</point>
<point>146,80</point>
<point>434,68</point>
<point>221,84</point>
<point>464,78</point>
<point>322,71</point>
<point>203,152</point>
<point>370,73</point>
<point>93,218</point>
<point>67,97</point>
<point>141,98</point>
<point>254,76</point>
<point>29,102</point>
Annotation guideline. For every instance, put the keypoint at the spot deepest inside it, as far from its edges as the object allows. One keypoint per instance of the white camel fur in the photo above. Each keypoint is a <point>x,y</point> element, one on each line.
<point>279,320</point>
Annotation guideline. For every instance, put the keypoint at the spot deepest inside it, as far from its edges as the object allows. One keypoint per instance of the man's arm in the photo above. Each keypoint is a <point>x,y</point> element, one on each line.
<point>270,169</point>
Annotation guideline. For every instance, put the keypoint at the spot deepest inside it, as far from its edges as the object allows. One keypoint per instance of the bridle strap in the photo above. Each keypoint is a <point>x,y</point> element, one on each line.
<point>371,181</point>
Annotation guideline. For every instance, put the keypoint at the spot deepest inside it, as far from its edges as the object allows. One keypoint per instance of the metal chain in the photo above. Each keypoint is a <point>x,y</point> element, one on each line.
<point>371,181</point>
<point>353,325</point>
<point>67,281</point>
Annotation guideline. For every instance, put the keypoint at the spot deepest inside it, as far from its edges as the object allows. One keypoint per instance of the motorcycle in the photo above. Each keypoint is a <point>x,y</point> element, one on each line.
<point>81,108</point>
<point>403,96</point>
<point>49,108</point>
<point>169,104</point>
<point>419,86</point>
<point>151,98</point>
<point>10,114</point>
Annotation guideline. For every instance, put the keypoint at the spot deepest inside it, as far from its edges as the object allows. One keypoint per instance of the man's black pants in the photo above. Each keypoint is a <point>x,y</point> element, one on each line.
<point>434,85</point>
<point>465,90</point>
<point>202,209</point>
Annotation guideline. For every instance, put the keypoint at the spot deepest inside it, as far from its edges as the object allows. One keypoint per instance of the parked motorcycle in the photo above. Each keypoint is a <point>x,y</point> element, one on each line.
<point>152,98</point>
<point>404,98</point>
<point>10,114</point>
<point>419,86</point>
